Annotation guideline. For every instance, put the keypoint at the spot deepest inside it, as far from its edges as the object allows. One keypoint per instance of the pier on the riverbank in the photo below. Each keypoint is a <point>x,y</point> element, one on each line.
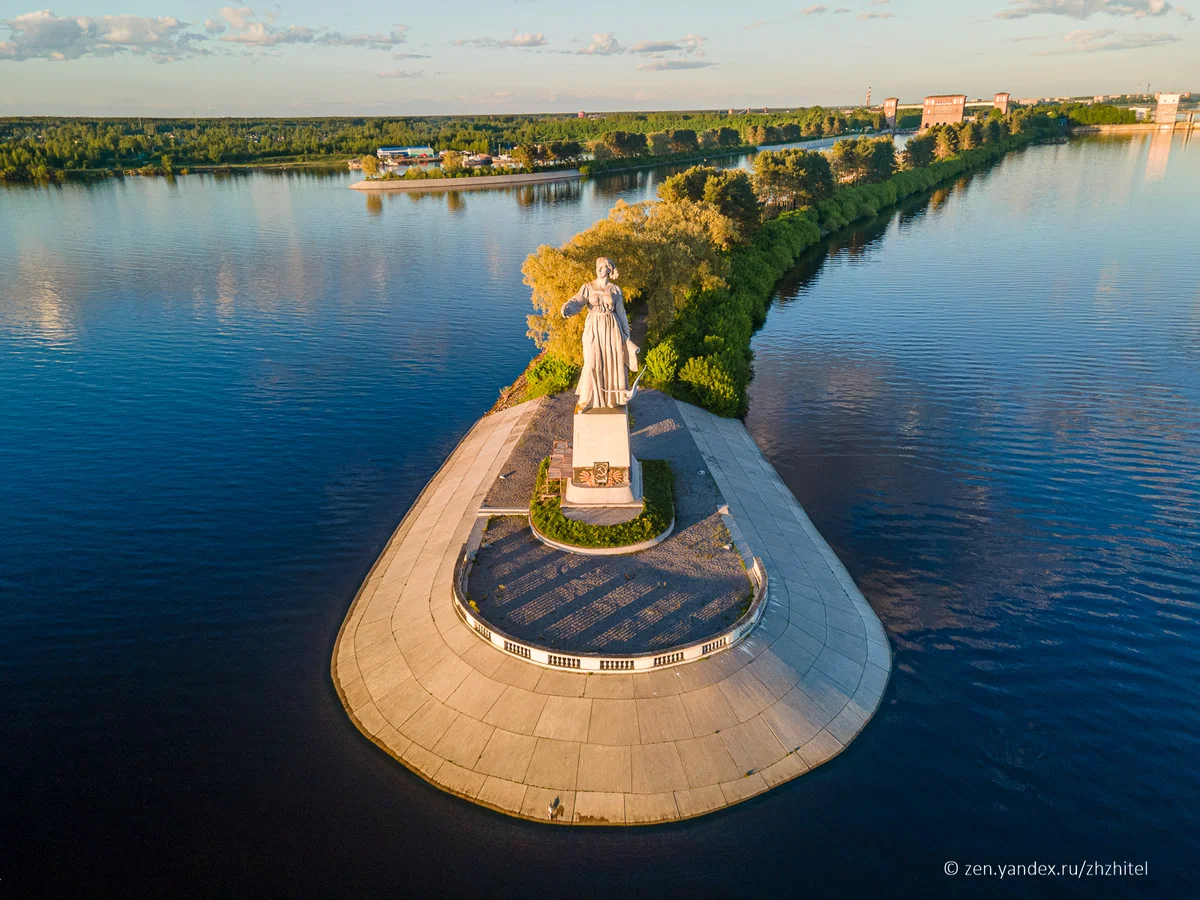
<point>534,736</point>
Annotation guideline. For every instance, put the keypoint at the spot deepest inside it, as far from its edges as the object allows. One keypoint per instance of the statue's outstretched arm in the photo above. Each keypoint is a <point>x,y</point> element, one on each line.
<point>575,305</point>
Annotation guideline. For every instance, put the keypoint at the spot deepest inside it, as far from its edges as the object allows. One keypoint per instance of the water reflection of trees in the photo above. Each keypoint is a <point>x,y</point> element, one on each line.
<point>455,201</point>
<point>855,242</point>
<point>531,196</point>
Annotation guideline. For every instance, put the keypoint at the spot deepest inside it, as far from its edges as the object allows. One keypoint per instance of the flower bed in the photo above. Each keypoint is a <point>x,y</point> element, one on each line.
<point>658,513</point>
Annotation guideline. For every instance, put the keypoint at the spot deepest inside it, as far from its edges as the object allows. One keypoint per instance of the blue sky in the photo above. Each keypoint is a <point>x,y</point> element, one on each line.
<point>173,57</point>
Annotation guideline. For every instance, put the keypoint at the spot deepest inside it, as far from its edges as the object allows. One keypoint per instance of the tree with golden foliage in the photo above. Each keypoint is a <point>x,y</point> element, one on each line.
<point>664,251</point>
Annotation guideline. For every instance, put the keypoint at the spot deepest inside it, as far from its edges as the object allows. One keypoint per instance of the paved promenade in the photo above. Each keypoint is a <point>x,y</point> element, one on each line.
<point>611,748</point>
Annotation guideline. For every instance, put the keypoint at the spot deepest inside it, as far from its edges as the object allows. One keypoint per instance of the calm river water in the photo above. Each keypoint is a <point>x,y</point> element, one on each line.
<point>218,397</point>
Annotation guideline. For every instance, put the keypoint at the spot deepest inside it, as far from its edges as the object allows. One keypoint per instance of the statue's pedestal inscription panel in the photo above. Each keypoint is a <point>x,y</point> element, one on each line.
<point>603,470</point>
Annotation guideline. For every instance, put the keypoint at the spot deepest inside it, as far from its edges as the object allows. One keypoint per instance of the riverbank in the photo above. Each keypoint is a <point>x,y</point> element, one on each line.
<point>464,184</point>
<point>637,163</point>
<point>1135,128</point>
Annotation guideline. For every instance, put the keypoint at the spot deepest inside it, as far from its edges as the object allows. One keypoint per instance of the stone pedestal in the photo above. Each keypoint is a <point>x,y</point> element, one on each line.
<point>604,471</point>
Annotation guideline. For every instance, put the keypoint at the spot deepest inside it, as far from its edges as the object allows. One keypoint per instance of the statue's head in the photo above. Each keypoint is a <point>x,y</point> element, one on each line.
<point>605,267</point>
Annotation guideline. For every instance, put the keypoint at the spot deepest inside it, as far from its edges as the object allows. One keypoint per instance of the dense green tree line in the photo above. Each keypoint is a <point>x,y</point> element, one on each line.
<point>1094,114</point>
<point>43,146</point>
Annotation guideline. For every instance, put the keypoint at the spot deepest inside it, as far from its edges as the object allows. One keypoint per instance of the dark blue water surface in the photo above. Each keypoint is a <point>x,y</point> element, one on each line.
<point>218,397</point>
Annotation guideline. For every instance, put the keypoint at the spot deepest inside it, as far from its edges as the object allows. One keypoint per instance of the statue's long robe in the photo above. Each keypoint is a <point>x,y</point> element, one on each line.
<point>604,380</point>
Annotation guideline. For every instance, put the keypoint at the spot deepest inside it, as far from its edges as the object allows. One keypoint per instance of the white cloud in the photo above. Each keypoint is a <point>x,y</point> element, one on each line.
<point>237,16</point>
<point>669,65</point>
<point>1082,9</point>
<point>249,32</point>
<point>401,73</point>
<point>815,10</point>
<point>1105,40</point>
<point>691,43</point>
<point>1184,14</point>
<point>524,40</point>
<point>603,44</point>
<point>377,41</point>
<point>868,16</point>
<point>260,34</point>
<point>43,35</point>
<point>410,56</point>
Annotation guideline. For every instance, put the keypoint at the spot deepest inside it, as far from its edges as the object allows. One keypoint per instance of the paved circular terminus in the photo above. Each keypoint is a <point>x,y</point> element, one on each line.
<point>634,748</point>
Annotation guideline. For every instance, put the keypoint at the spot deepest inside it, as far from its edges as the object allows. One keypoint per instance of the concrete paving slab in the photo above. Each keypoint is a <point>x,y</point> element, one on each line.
<point>506,755</point>
<point>402,701</point>
<point>563,684</point>
<point>820,749</point>
<point>784,770</point>
<point>743,788</point>
<point>536,805</point>
<point>708,710</point>
<point>459,780</point>
<point>746,695</point>
<point>355,694</point>
<point>605,769</point>
<point>609,687</point>
<point>795,719</point>
<point>706,760</point>
<point>752,745</point>
<point>427,725</point>
<point>613,722</point>
<point>424,762</point>
<point>657,768</point>
<point>554,765</point>
<point>444,678</point>
<point>476,695</point>
<point>463,741</point>
<point>516,710</point>
<point>662,719</point>
<point>697,801</point>
<point>506,796</point>
<point>645,809</point>
<point>565,718</point>
<point>599,808</point>
<point>369,718</point>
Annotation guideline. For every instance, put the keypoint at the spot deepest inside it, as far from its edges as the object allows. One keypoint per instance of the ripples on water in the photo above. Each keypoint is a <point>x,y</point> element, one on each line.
<point>218,396</point>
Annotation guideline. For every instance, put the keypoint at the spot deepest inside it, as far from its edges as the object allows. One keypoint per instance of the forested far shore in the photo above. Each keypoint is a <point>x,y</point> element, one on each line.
<point>45,147</point>
<point>39,148</point>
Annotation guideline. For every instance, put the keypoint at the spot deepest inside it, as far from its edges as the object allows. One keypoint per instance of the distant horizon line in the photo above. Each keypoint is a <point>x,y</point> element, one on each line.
<point>565,112</point>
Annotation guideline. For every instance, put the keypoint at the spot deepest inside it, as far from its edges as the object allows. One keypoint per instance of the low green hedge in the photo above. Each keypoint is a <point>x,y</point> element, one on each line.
<point>658,486</point>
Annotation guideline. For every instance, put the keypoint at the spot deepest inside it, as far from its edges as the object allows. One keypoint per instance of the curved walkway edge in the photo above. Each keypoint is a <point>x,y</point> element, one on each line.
<point>640,748</point>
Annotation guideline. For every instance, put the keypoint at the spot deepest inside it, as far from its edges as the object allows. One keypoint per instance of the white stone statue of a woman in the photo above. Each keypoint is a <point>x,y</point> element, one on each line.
<point>608,354</point>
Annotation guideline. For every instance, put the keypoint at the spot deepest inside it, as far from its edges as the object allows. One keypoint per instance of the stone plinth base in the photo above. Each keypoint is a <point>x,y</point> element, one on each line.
<point>603,470</point>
